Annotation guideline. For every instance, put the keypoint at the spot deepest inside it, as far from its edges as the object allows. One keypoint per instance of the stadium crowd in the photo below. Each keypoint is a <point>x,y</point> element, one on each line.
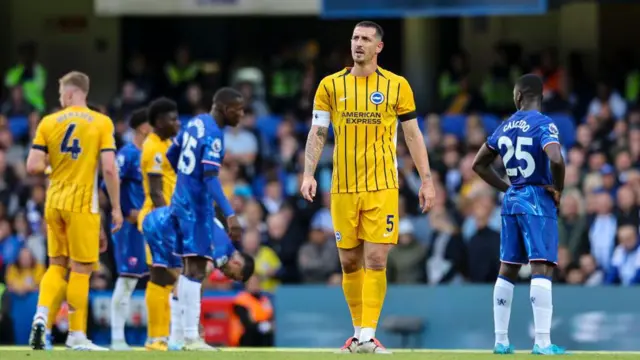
<point>292,240</point>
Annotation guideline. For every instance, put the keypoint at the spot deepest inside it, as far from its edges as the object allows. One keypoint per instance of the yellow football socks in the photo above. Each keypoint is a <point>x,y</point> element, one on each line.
<point>51,286</point>
<point>158,310</point>
<point>78,300</point>
<point>55,307</point>
<point>166,315</point>
<point>373,293</point>
<point>352,287</point>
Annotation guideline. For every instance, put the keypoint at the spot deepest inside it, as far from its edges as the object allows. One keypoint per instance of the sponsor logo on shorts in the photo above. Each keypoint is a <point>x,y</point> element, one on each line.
<point>338,236</point>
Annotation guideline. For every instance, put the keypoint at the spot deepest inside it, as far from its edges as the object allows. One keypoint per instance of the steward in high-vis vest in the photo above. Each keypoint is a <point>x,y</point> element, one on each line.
<point>30,75</point>
<point>252,319</point>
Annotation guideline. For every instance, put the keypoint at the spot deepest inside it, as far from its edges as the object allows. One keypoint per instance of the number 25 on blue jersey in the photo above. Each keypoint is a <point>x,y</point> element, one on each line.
<point>522,155</point>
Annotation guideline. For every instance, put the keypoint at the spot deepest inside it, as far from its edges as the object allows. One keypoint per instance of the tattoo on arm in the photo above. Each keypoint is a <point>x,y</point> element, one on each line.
<point>315,143</point>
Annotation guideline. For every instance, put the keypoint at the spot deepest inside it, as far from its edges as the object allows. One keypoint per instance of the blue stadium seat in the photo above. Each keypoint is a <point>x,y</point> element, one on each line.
<point>490,123</point>
<point>566,127</point>
<point>19,126</point>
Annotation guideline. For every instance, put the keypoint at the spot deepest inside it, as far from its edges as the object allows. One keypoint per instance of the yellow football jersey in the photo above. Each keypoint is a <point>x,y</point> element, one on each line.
<point>74,138</point>
<point>153,160</point>
<point>364,112</point>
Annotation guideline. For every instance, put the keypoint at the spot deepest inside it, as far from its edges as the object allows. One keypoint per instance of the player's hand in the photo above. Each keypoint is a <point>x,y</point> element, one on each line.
<point>555,193</point>
<point>235,230</point>
<point>308,188</point>
<point>116,220</point>
<point>104,243</point>
<point>427,195</point>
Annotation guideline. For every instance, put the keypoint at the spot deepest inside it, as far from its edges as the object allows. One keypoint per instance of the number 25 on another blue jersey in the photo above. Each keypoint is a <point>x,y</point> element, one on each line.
<point>521,154</point>
<point>187,162</point>
<point>70,145</point>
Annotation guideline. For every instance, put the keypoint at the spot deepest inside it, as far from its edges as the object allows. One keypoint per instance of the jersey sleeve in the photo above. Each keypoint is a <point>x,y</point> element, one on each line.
<point>406,103</point>
<point>173,154</point>
<point>322,105</point>
<point>212,152</point>
<point>492,140</point>
<point>108,141</point>
<point>40,140</point>
<point>151,160</point>
<point>549,134</point>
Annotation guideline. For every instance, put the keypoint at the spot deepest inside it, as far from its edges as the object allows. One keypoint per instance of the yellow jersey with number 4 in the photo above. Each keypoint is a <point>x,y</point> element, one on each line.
<point>74,138</point>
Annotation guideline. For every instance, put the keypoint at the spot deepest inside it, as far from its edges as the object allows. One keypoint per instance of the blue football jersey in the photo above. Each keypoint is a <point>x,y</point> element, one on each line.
<point>200,146</point>
<point>521,140</point>
<point>131,191</point>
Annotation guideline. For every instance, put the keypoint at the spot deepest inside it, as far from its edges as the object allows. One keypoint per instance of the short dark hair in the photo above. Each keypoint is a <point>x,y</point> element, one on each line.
<point>373,25</point>
<point>530,86</point>
<point>159,107</point>
<point>226,96</point>
<point>138,117</point>
<point>248,268</point>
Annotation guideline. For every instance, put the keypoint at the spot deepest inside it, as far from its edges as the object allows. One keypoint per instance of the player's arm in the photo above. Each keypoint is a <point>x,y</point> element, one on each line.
<point>317,136</point>
<point>110,172</point>
<point>37,158</point>
<point>482,166</point>
<point>173,154</point>
<point>151,166</point>
<point>556,162</point>
<point>212,156</point>
<point>412,135</point>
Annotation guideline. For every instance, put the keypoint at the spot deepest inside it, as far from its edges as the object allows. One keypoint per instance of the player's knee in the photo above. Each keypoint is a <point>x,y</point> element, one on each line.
<point>541,268</point>
<point>59,261</point>
<point>350,261</point>
<point>196,268</point>
<point>510,271</point>
<point>82,267</point>
<point>376,260</point>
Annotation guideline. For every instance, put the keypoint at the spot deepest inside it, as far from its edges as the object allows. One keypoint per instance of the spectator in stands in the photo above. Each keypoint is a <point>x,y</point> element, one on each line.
<point>592,274</point>
<point>623,164</point>
<point>9,245</point>
<point>625,264</point>
<point>602,229</point>
<point>285,237</point>
<point>252,217</point>
<point>572,224</point>
<point>25,274</point>
<point>125,102</point>
<point>447,254</point>
<point>449,81</point>
<point>257,106</point>
<point>486,199</point>
<point>627,212</point>
<point>318,258</point>
<point>181,72</point>
<point>497,87</point>
<point>30,75</point>
<point>406,264</point>
<point>251,324</point>
<point>273,199</point>
<point>484,246</point>
<point>555,82</point>
<point>241,146</point>
<point>138,73</point>
<point>267,263</point>
<point>286,80</point>
<point>16,105</point>
<point>6,325</point>
<point>192,102</point>
<point>606,107</point>
<point>574,276</point>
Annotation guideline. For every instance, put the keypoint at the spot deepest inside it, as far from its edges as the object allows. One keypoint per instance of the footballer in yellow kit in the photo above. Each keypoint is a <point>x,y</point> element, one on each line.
<point>76,139</point>
<point>158,181</point>
<point>364,104</point>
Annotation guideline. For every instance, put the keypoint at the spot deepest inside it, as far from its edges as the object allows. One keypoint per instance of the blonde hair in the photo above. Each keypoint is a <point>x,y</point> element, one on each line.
<point>77,79</point>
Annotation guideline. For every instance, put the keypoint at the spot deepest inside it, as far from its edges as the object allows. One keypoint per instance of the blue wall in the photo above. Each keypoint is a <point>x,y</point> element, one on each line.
<point>606,318</point>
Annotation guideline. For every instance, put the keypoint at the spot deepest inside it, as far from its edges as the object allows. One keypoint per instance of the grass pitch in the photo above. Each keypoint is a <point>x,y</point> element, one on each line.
<point>22,353</point>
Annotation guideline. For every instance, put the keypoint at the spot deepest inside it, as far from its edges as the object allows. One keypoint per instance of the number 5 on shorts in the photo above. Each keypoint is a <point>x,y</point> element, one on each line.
<point>390,223</point>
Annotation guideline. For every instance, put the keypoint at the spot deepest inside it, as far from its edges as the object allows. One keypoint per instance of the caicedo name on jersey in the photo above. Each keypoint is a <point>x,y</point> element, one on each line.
<point>362,117</point>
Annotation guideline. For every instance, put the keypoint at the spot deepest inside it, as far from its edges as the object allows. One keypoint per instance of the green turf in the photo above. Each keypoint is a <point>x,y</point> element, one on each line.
<point>15,353</point>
